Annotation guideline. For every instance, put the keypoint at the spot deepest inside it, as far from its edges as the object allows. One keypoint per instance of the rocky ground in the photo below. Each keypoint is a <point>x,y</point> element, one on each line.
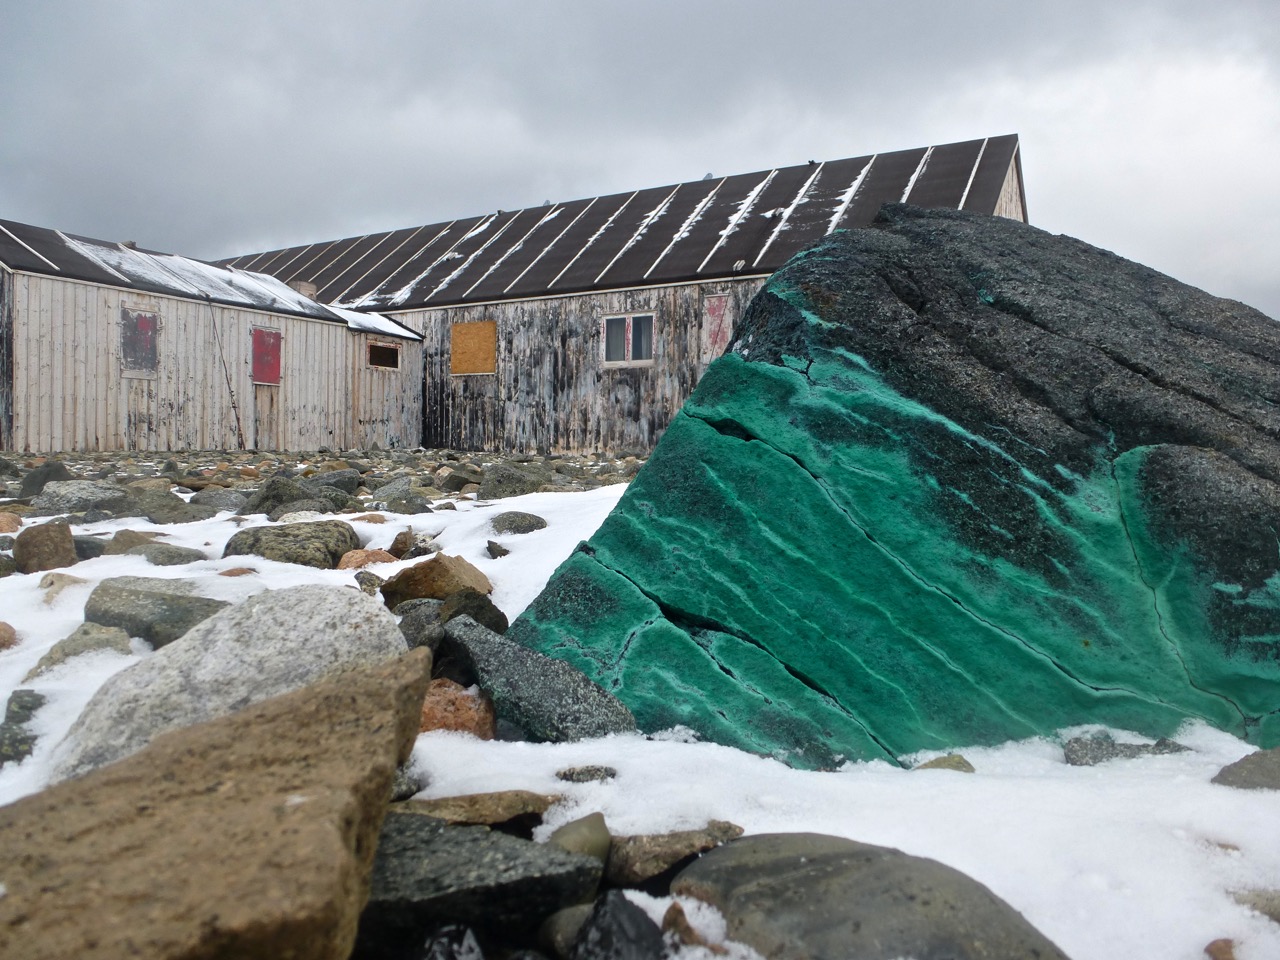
<point>266,741</point>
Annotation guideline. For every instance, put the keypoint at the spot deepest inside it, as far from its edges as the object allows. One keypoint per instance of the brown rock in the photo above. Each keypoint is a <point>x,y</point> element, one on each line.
<point>485,809</point>
<point>10,523</point>
<point>8,636</point>
<point>251,836</point>
<point>434,579</point>
<point>401,544</point>
<point>126,540</point>
<point>237,572</point>
<point>1256,771</point>
<point>952,761</point>
<point>633,860</point>
<point>1221,949</point>
<point>354,559</point>
<point>44,547</point>
<point>451,706</point>
<point>371,518</point>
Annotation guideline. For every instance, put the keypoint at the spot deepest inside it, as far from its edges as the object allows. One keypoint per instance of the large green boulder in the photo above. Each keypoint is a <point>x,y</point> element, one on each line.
<point>955,481</point>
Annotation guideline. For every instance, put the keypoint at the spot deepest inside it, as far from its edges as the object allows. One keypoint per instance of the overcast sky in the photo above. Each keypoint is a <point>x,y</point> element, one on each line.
<point>214,129</point>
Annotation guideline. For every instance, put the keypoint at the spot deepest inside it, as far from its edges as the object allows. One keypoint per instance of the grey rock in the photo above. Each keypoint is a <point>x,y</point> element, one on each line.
<point>22,706</point>
<point>515,521</point>
<point>1257,771</point>
<point>454,941</point>
<point>477,606</point>
<point>125,540</point>
<point>337,499</point>
<point>272,643</point>
<point>86,638</point>
<point>369,583</point>
<point>458,476</point>
<point>421,622</point>
<point>275,493</point>
<point>1099,748</point>
<point>157,611</point>
<point>586,773</point>
<point>345,480</point>
<point>548,699</point>
<point>72,496</point>
<point>406,783</point>
<point>496,550</point>
<point>300,506</point>
<point>617,929</point>
<point>220,498</point>
<point>427,873</point>
<point>166,555</point>
<point>8,468</point>
<point>1265,902</point>
<point>8,566</point>
<point>16,743</point>
<point>396,489</point>
<point>36,480</point>
<point>805,896</point>
<point>509,480</point>
<point>163,507</point>
<point>411,505</point>
<point>319,544</point>
<point>88,547</point>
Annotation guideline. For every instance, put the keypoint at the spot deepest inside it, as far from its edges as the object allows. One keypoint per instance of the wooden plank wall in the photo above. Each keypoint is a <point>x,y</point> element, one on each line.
<point>69,393</point>
<point>386,404</point>
<point>551,392</point>
<point>6,359</point>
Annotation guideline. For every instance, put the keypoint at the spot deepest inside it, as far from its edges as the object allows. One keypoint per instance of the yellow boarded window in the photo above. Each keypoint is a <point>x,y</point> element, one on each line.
<point>473,347</point>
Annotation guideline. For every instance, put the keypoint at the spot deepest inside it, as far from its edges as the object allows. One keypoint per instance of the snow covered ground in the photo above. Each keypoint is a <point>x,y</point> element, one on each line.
<point>1132,859</point>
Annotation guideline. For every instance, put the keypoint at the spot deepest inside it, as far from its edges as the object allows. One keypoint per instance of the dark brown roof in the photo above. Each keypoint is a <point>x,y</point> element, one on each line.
<point>744,225</point>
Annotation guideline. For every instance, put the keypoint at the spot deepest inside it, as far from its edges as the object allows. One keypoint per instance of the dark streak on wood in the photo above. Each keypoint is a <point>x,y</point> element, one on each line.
<point>552,392</point>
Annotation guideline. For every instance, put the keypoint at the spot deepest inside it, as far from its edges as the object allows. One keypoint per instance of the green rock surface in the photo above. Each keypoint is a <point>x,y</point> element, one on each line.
<point>829,558</point>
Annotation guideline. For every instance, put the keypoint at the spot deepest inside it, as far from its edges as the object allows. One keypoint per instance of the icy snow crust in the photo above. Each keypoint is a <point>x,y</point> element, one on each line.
<point>1133,858</point>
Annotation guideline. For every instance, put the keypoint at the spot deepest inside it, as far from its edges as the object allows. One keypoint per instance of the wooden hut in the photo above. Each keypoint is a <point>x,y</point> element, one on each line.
<point>107,347</point>
<point>585,325</point>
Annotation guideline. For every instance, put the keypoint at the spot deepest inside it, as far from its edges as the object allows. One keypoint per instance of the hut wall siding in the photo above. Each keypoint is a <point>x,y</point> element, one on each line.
<point>68,391</point>
<point>6,359</point>
<point>551,392</point>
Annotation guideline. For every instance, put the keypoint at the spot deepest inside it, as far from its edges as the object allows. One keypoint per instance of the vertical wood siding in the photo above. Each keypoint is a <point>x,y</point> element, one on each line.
<point>551,392</point>
<point>69,394</point>
<point>6,359</point>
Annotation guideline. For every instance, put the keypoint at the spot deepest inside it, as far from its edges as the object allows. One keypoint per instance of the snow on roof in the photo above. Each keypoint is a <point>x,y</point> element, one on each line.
<point>38,250</point>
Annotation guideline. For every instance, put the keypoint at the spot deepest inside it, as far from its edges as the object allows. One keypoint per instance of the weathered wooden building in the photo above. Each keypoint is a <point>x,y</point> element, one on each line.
<point>107,347</point>
<point>585,325</point>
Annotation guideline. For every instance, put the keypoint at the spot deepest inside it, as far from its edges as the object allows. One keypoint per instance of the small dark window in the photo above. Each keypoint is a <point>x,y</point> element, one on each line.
<point>628,340</point>
<point>381,355</point>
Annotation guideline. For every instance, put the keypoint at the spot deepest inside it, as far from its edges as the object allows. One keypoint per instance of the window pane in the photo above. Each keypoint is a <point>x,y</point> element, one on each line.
<point>266,356</point>
<point>382,355</point>
<point>615,338</point>
<point>642,338</point>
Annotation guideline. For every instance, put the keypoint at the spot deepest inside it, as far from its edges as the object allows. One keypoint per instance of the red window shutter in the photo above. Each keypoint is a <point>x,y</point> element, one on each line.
<point>266,356</point>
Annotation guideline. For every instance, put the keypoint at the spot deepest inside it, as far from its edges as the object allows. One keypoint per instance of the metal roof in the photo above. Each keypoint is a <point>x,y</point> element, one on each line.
<point>39,250</point>
<point>744,225</point>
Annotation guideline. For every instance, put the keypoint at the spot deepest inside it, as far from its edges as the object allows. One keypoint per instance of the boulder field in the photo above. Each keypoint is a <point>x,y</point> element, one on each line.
<point>955,481</point>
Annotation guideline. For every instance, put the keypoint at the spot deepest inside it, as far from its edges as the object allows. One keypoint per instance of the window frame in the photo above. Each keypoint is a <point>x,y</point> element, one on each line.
<point>139,356</point>
<point>629,339</point>
<point>382,345</point>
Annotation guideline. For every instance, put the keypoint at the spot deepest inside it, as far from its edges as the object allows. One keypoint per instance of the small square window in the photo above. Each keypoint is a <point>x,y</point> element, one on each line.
<point>384,355</point>
<point>628,340</point>
<point>266,357</point>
